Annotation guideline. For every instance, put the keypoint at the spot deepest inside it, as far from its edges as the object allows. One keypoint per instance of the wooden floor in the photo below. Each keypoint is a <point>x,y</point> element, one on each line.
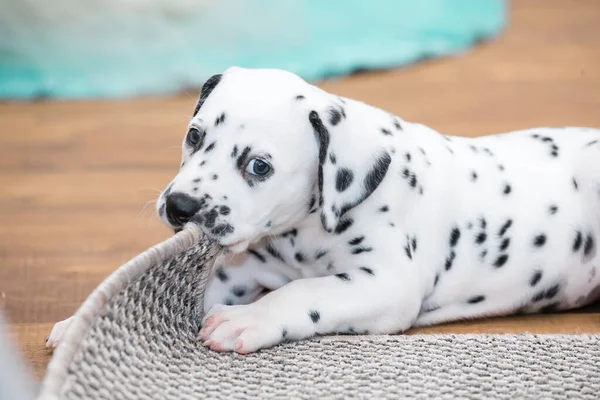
<point>78,179</point>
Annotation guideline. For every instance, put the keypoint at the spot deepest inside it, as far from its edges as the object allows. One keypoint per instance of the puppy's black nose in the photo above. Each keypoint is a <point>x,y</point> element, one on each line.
<point>180,208</point>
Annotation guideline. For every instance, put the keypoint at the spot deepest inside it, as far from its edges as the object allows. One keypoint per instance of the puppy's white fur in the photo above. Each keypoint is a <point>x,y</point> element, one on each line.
<point>409,227</point>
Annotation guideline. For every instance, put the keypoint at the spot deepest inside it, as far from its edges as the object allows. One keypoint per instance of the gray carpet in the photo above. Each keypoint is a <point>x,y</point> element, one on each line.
<point>135,337</point>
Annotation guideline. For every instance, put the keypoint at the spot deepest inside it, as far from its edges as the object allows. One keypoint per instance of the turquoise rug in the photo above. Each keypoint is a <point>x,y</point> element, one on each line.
<point>125,48</point>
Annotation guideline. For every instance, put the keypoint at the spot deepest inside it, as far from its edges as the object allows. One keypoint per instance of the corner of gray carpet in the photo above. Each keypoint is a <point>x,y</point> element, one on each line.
<point>135,337</point>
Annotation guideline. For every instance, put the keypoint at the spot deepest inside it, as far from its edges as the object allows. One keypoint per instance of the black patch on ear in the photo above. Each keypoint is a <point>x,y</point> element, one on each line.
<point>322,135</point>
<point>207,88</point>
<point>343,179</point>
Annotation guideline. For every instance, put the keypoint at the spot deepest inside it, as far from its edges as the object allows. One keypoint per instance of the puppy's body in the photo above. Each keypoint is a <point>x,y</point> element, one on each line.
<point>368,223</point>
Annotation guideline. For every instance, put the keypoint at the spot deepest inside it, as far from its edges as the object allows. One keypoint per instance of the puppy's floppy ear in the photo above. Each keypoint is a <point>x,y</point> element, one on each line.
<point>208,87</point>
<point>353,160</point>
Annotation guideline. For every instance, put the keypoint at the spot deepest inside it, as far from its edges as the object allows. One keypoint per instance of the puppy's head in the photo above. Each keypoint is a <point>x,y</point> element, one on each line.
<point>254,158</point>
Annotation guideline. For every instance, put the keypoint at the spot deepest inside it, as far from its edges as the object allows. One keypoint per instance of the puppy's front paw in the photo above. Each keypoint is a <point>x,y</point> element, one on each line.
<point>242,328</point>
<point>57,332</point>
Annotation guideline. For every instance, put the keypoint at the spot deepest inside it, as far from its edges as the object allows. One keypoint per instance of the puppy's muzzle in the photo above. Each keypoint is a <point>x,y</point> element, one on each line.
<point>180,208</point>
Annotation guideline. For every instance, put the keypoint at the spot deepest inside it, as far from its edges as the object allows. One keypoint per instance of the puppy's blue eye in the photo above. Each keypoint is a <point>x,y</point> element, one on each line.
<point>193,137</point>
<point>258,167</point>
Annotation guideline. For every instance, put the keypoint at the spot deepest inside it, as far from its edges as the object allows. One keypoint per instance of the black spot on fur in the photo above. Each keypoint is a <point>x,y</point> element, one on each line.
<point>553,209</point>
<point>239,290</point>
<point>483,254</point>
<point>359,250</point>
<point>314,316</point>
<point>220,119</point>
<point>215,177</point>
<point>223,277</point>
<point>229,302</point>
<point>450,150</point>
<point>450,260</point>
<point>273,252</point>
<point>335,116</point>
<point>257,255</point>
<point>535,278</point>
<point>505,243</point>
<point>367,270</point>
<point>224,210</point>
<point>473,176</point>
<point>549,308</point>
<point>436,280</point>
<point>397,124</point>
<point>505,227</point>
<point>482,223</point>
<point>320,254</point>
<point>300,97</point>
<point>593,142</point>
<point>343,225</point>
<point>210,147</point>
<point>575,184</point>
<point>413,180</point>
<point>454,236</point>
<point>578,242</point>
<point>507,189</point>
<point>476,299</point>
<point>384,209</point>
<point>408,251</point>
<point>408,157</point>
<point>202,163</point>
<point>332,158</point>
<point>284,331</point>
<point>501,167</point>
<point>330,266</point>
<point>589,245</point>
<point>539,240</point>
<point>291,232</point>
<point>343,179</point>
<point>501,260</point>
<point>210,217</point>
<point>234,152</point>
<point>356,241</point>
<point>343,276</point>
<point>386,132</point>
<point>222,230</point>
<point>299,257</point>
<point>480,238</point>
<point>414,244</point>
<point>241,160</point>
<point>210,84</point>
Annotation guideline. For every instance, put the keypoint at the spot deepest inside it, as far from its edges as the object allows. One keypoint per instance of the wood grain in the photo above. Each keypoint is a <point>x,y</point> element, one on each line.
<point>75,176</point>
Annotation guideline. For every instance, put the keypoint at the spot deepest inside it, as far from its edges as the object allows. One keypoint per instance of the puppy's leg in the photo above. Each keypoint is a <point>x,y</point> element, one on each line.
<point>241,279</point>
<point>378,300</point>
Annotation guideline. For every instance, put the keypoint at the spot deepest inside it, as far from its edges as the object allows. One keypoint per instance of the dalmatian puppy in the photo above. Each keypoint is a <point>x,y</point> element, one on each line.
<point>354,221</point>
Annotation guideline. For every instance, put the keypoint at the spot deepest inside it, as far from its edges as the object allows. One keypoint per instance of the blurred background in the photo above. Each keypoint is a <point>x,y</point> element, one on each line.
<point>95,96</point>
